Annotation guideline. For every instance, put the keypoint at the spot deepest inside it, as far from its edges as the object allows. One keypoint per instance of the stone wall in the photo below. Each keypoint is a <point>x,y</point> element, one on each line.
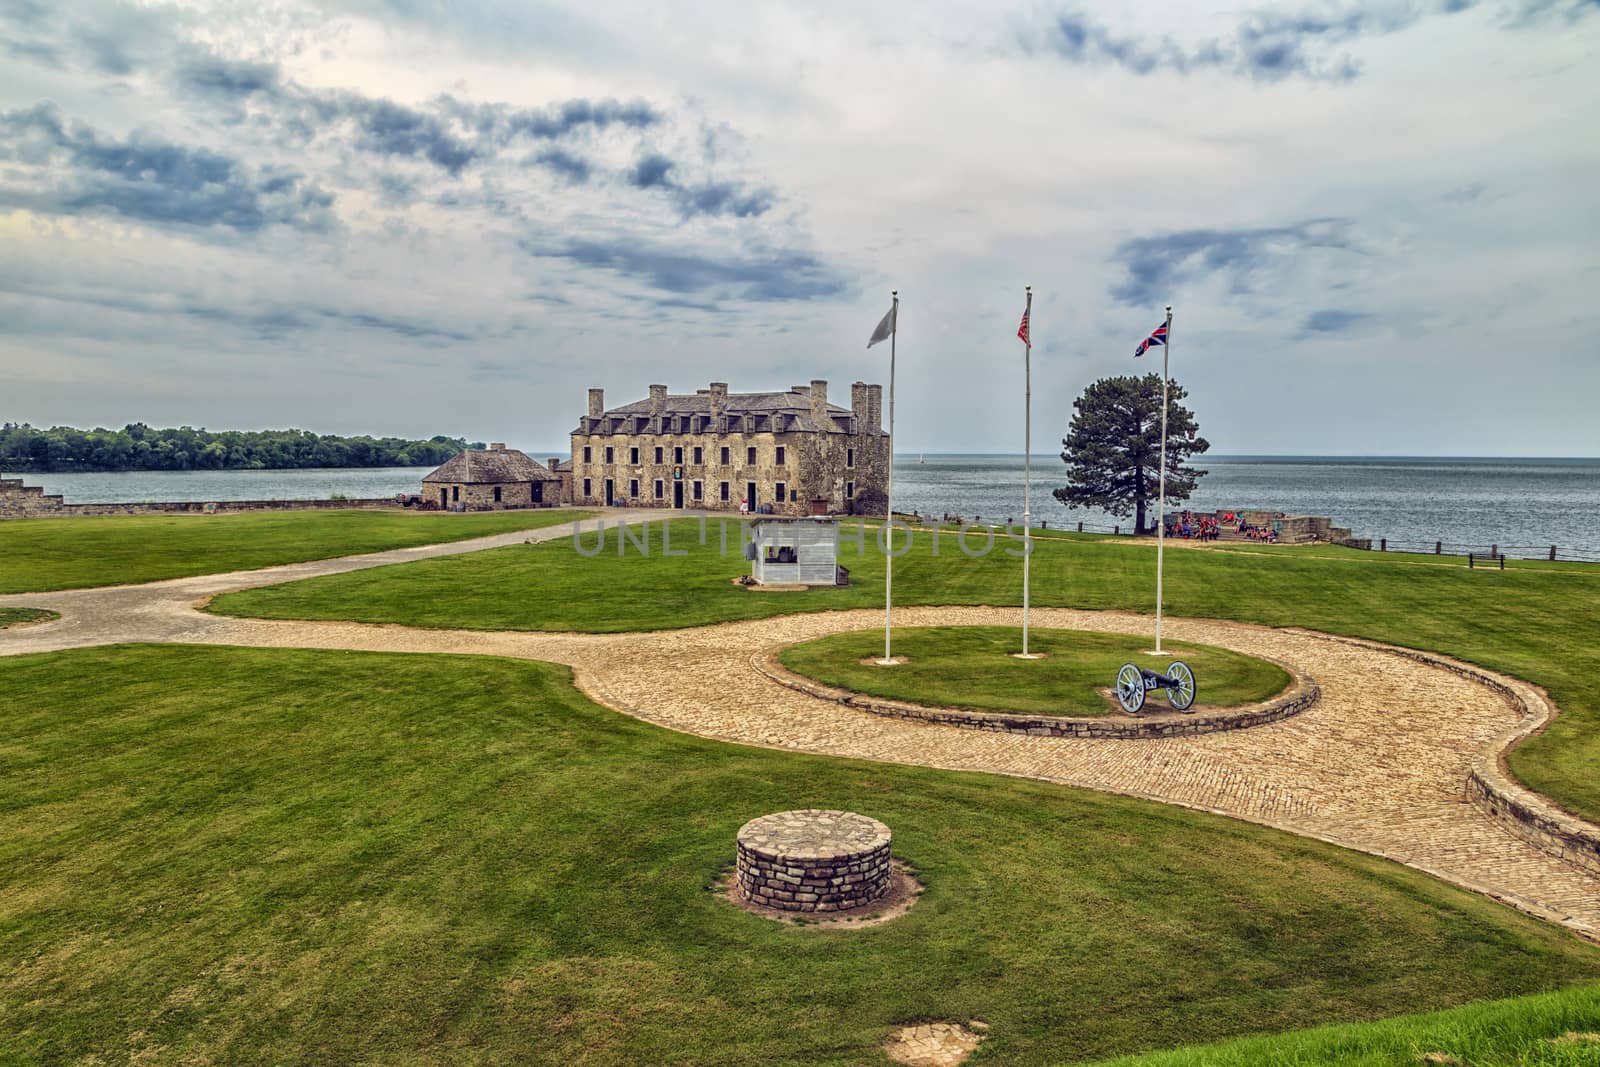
<point>1303,694</point>
<point>481,497</point>
<point>18,501</point>
<point>1490,787</point>
<point>25,501</point>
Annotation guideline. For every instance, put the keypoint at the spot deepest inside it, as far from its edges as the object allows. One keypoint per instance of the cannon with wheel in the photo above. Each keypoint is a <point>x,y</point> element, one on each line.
<point>1133,682</point>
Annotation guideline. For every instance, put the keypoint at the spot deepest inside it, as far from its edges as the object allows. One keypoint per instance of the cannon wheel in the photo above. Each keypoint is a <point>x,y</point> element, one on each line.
<point>1130,688</point>
<point>1180,696</point>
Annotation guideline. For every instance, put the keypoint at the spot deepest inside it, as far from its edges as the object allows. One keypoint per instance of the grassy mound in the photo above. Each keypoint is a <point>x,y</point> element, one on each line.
<point>971,667</point>
<point>45,554</point>
<point>1533,620</point>
<point>286,856</point>
<point>1559,1029</point>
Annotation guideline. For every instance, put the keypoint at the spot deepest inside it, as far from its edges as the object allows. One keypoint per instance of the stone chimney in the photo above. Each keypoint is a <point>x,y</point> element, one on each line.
<point>858,405</point>
<point>819,404</point>
<point>719,399</point>
<point>497,446</point>
<point>658,400</point>
<point>553,461</point>
<point>597,403</point>
<point>874,409</point>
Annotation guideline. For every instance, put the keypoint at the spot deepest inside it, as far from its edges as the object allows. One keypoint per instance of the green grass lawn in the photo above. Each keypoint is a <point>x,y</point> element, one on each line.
<point>37,555</point>
<point>1559,1029</point>
<point>23,616</point>
<point>217,854</point>
<point>972,667</point>
<point>1536,621</point>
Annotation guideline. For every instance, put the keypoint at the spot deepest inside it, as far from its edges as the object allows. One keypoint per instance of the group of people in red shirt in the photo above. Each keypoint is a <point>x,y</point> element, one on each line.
<point>1205,528</point>
<point>1209,527</point>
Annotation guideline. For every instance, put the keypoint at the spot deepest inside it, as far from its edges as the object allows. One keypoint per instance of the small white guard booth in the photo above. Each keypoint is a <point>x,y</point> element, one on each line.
<point>794,551</point>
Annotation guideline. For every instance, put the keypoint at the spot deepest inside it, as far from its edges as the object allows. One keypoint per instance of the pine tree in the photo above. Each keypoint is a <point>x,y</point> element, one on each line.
<point>1113,447</point>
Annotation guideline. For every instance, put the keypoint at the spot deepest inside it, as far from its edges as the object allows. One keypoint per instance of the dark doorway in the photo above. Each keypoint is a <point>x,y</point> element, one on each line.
<point>610,489</point>
<point>750,495</point>
<point>677,494</point>
<point>444,498</point>
<point>538,492</point>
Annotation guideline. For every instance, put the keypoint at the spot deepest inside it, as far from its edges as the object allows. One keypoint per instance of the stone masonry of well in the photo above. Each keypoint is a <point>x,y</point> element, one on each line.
<point>812,861</point>
<point>707,450</point>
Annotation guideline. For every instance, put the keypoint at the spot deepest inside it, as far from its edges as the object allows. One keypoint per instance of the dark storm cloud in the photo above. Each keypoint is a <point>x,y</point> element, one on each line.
<point>673,303</point>
<point>724,198</point>
<point>36,52</point>
<point>1332,320</point>
<point>655,171</point>
<point>558,120</point>
<point>108,53</point>
<point>207,73</point>
<point>269,321</point>
<point>77,171</point>
<point>116,39</point>
<point>1159,264</point>
<point>766,276</point>
<point>574,169</point>
<point>386,128</point>
<point>503,124</point>
<point>651,172</point>
<point>1268,45</point>
<point>408,328</point>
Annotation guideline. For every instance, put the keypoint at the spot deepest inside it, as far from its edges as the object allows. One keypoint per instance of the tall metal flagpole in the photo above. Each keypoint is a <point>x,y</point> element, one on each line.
<point>1027,461</point>
<point>888,489</point>
<point>1161,499</point>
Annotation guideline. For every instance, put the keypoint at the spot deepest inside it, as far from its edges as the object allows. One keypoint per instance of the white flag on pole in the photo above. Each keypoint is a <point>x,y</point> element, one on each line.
<point>885,328</point>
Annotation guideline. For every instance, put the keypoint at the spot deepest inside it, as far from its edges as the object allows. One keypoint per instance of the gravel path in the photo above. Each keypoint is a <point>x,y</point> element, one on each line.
<point>1378,765</point>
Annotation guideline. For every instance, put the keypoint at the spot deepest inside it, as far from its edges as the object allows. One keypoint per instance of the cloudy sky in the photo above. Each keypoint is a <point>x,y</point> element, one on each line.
<point>1378,222</point>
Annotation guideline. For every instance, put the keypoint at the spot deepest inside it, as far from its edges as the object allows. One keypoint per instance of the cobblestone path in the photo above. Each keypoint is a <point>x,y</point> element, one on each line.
<point>1379,764</point>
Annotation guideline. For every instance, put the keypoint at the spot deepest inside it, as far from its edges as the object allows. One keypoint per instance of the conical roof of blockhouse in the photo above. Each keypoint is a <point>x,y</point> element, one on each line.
<point>489,467</point>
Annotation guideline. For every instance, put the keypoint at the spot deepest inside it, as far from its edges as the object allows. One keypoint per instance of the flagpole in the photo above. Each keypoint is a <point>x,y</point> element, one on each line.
<point>1161,498</point>
<point>888,489</point>
<point>1027,462</point>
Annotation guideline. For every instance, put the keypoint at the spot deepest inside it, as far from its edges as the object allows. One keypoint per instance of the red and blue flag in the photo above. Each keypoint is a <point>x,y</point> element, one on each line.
<point>1158,337</point>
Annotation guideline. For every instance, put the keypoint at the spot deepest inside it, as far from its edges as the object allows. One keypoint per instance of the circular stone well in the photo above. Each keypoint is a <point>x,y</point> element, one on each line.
<point>812,860</point>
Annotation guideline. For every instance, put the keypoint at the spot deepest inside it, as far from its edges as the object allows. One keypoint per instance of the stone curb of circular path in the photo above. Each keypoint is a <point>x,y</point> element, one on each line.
<point>1303,693</point>
<point>1490,786</point>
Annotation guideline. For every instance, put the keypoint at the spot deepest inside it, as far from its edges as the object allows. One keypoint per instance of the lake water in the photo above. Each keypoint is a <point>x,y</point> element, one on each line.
<point>1526,504</point>
<point>1521,504</point>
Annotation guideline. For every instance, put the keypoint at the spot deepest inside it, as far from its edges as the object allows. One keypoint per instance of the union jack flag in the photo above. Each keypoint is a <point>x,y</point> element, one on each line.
<point>1158,337</point>
<point>1022,331</point>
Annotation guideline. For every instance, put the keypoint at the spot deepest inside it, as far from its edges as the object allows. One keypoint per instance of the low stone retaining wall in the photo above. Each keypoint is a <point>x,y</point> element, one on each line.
<point>812,861</point>
<point>1302,694</point>
<point>30,503</point>
<point>1490,787</point>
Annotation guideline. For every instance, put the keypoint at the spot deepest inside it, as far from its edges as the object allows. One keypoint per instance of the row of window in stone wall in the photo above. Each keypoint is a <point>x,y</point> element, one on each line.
<point>698,452</point>
<point>780,491</point>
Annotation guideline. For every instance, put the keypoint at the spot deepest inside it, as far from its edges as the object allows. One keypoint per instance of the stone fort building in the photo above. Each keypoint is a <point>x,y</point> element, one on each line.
<point>789,453</point>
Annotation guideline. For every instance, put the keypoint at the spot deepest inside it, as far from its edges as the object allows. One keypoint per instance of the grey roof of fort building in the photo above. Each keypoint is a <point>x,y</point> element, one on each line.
<point>742,412</point>
<point>485,467</point>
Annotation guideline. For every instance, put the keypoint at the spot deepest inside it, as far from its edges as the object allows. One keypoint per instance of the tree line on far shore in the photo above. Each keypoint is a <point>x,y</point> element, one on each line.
<point>137,447</point>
